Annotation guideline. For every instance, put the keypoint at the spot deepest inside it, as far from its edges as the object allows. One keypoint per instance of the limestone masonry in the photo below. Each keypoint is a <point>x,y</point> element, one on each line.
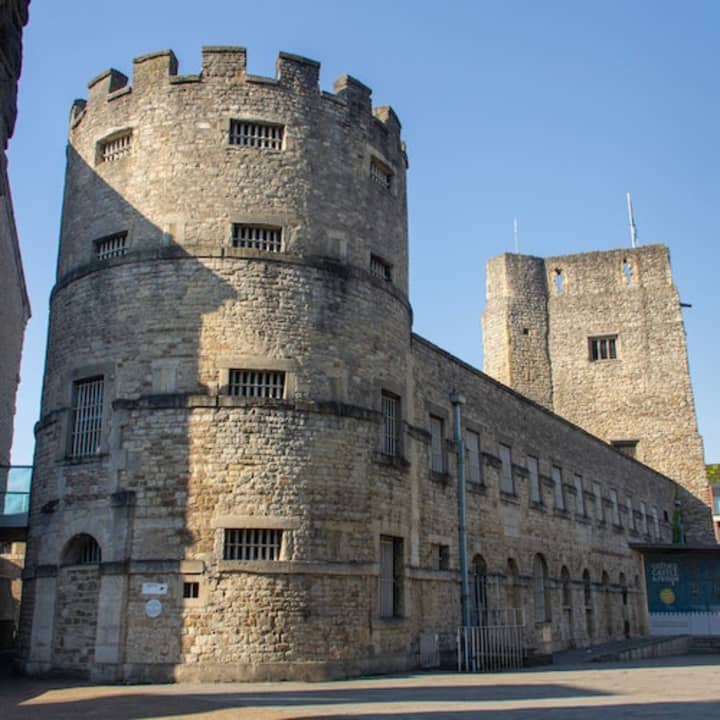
<point>244,464</point>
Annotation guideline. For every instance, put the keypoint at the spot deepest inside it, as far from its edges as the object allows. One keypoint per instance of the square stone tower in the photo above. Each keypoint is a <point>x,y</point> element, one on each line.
<point>599,339</point>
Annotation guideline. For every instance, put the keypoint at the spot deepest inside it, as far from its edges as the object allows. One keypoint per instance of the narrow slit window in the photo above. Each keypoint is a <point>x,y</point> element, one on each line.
<point>627,272</point>
<point>257,237</point>
<point>472,454</point>
<point>534,479</point>
<point>391,424</point>
<point>111,246</point>
<point>559,281</point>
<point>257,383</point>
<point>256,134</point>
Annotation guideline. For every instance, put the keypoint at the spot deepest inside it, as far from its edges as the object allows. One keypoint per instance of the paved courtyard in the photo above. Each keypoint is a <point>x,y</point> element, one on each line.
<point>682,687</point>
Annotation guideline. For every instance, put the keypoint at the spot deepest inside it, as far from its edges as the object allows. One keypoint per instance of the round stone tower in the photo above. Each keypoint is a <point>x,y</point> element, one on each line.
<point>228,344</point>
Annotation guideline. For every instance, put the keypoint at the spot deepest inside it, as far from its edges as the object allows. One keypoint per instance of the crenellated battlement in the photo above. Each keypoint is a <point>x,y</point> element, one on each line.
<point>226,67</point>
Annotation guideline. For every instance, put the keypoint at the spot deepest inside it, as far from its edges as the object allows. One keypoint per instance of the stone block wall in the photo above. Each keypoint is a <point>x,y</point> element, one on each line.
<point>643,395</point>
<point>164,319</point>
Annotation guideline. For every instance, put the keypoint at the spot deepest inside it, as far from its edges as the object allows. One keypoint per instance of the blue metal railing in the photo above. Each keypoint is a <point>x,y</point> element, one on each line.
<point>15,489</point>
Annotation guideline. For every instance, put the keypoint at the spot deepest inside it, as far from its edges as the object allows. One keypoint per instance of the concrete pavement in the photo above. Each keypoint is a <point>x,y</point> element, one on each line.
<point>686,688</point>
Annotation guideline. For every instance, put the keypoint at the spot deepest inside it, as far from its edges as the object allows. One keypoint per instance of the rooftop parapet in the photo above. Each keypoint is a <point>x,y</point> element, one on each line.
<point>228,64</point>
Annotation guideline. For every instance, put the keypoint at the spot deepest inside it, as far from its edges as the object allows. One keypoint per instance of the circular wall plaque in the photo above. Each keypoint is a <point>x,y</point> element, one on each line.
<point>153,608</point>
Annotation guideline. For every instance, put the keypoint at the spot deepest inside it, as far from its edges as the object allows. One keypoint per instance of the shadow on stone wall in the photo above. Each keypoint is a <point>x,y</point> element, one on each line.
<point>135,320</point>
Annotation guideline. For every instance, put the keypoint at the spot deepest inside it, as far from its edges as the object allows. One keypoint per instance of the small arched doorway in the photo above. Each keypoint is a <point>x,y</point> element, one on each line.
<point>78,590</point>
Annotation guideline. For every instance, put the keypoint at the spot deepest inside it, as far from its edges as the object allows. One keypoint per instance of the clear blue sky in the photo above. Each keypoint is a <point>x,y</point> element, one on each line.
<point>547,111</point>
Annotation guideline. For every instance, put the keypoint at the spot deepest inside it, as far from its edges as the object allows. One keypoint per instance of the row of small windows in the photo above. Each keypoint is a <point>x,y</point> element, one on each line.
<point>243,133</point>
<point>87,404</point>
<point>268,238</point>
<point>86,431</point>
<point>438,464</point>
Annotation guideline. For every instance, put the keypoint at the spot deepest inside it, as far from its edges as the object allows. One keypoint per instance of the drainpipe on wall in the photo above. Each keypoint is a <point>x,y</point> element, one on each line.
<point>457,401</point>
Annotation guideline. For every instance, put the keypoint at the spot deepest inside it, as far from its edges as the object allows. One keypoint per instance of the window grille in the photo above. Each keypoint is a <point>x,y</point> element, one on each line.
<point>89,552</point>
<point>391,424</point>
<point>603,348</point>
<point>506,481</point>
<point>252,544</point>
<point>111,246</point>
<point>381,174</point>
<point>438,444</point>
<point>257,383</point>
<point>472,450</point>
<point>257,237</point>
<point>558,485</point>
<point>380,268</point>
<point>390,580</point>
<point>87,417</point>
<point>116,148</point>
<point>256,134</point>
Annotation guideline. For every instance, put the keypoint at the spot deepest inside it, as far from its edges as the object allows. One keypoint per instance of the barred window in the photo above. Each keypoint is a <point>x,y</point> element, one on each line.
<point>257,237</point>
<point>86,416</point>
<point>116,148</point>
<point>111,246</point>
<point>257,383</point>
<point>256,134</point>
<point>380,268</point>
<point>89,552</point>
<point>603,348</point>
<point>391,423</point>
<point>381,174</point>
<point>252,544</point>
<point>82,549</point>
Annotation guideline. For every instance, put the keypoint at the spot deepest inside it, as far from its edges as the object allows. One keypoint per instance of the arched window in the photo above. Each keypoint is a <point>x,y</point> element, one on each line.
<point>478,591</point>
<point>82,550</point>
<point>540,590</point>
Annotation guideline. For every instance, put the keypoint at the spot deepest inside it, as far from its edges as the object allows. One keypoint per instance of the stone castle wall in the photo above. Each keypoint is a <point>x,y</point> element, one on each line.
<point>644,394</point>
<point>180,459</point>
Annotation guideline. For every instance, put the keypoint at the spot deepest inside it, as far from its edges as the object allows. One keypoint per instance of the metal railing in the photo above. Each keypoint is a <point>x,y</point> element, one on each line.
<point>496,644</point>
